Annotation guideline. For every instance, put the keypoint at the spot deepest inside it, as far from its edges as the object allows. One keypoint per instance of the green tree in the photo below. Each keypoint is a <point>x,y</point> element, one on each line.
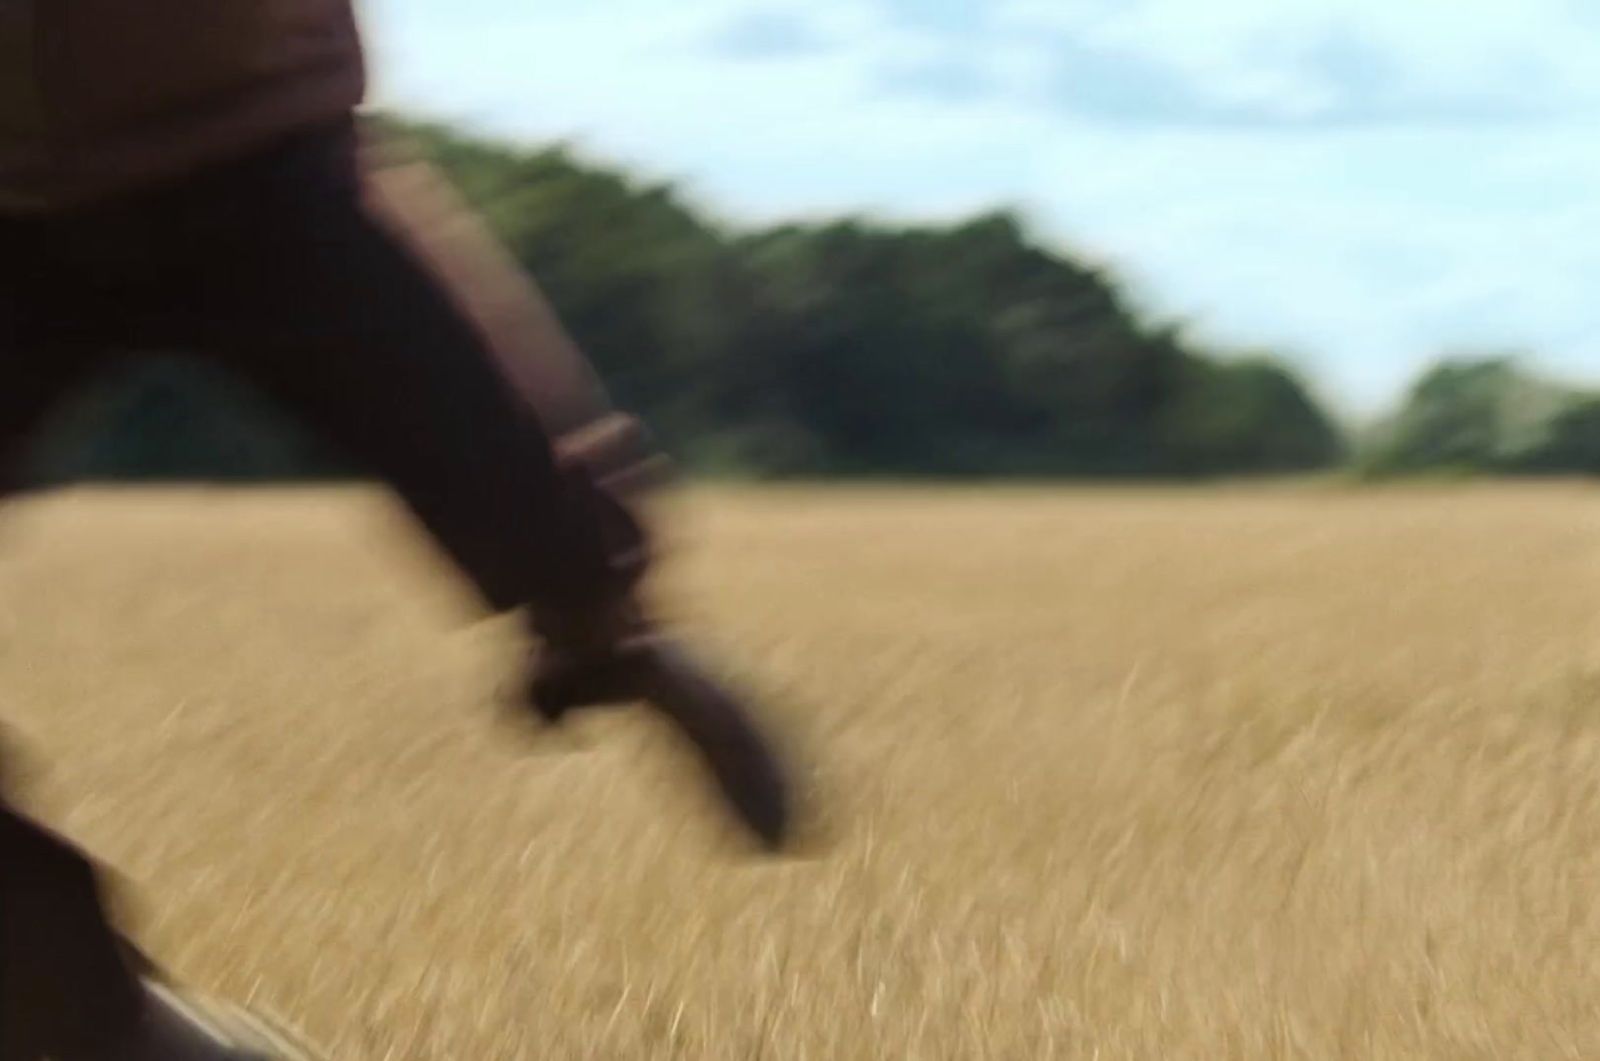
<point>1482,414</point>
<point>1570,443</point>
<point>843,347</point>
<point>1249,415</point>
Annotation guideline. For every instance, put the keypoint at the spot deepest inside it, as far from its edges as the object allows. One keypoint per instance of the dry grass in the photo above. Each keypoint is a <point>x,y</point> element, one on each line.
<point>1265,773</point>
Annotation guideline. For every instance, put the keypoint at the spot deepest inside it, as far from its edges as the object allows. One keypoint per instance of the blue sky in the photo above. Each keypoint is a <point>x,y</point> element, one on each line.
<point>1360,184</point>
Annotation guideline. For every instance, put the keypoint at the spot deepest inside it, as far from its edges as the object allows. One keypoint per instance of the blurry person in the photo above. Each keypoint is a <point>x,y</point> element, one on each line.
<point>191,175</point>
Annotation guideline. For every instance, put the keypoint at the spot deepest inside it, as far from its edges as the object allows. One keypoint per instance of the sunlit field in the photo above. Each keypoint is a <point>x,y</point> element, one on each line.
<point>1268,772</point>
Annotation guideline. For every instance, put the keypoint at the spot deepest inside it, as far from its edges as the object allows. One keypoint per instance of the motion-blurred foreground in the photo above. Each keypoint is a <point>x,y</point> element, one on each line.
<point>1120,773</point>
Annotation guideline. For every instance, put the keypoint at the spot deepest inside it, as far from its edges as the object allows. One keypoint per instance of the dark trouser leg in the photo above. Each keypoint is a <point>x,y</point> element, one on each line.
<point>309,291</point>
<point>282,268</point>
<point>64,982</point>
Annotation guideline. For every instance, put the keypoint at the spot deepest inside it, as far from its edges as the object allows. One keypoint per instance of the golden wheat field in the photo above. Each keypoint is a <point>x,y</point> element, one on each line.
<point>1254,773</point>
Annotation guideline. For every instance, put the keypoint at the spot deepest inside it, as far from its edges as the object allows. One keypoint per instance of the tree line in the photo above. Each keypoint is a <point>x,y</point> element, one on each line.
<point>849,347</point>
<point>1486,415</point>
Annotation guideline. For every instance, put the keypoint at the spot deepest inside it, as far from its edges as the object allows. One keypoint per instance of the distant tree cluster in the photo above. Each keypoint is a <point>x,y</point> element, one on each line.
<point>1472,415</point>
<point>845,348</point>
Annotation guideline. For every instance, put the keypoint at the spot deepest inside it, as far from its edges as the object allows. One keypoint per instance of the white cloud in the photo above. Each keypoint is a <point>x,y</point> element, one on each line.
<point>769,33</point>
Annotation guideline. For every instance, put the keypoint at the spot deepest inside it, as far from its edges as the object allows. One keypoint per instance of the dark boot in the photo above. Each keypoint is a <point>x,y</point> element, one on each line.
<point>635,663</point>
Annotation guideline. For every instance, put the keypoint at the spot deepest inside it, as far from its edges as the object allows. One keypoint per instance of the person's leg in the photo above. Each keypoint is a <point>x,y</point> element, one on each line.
<point>63,974</point>
<point>305,287</point>
<point>71,986</point>
<point>68,985</point>
<point>315,287</point>
<point>425,408</point>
